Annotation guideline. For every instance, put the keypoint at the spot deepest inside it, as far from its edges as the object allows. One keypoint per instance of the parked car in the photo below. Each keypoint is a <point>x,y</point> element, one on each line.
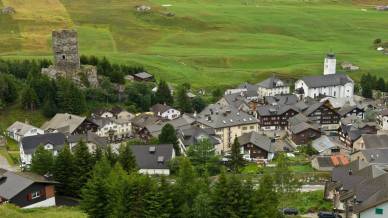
<point>290,211</point>
<point>323,214</point>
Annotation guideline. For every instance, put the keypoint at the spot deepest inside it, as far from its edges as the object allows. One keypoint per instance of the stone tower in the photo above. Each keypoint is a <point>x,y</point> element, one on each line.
<point>65,49</point>
<point>330,64</point>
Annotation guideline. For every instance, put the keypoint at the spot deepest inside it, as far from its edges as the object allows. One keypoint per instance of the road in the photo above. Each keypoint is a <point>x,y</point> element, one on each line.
<point>5,165</point>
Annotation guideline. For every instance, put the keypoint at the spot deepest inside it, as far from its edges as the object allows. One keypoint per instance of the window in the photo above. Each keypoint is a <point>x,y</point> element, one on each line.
<point>244,128</point>
<point>379,211</point>
<point>35,195</point>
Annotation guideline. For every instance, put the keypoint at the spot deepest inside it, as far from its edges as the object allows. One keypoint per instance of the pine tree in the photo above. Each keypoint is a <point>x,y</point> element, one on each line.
<point>42,161</point>
<point>116,182</point>
<point>29,99</point>
<point>163,94</point>
<point>126,158</point>
<point>203,156</point>
<point>110,155</point>
<point>168,136</point>
<point>381,84</point>
<point>236,159</point>
<point>198,104</point>
<point>95,193</point>
<point>63,171</point>
<point>166,192</point>
<point>266,200</point>
<point>219,198</point>
<point>83,165</point>
<point>49,108</point>
<point>183,102</point>
<point>202,206</point>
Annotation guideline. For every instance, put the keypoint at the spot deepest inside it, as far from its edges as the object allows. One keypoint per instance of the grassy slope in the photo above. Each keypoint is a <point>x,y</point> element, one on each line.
<point>9,211</point>
<point>213,42</point>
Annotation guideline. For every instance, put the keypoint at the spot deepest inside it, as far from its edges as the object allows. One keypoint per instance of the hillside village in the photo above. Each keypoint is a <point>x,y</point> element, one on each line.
<point>340,136</point>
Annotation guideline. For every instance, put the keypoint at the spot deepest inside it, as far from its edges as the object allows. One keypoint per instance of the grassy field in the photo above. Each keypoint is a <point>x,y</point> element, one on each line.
<point>9,211</point>
<point>207,42</point>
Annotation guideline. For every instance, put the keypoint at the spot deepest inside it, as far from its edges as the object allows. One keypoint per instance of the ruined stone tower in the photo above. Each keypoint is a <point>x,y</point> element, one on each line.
<point>67,62</point>
<point>65,49</point>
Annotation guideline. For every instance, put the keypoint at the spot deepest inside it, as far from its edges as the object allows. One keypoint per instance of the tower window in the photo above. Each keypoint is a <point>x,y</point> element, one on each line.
<point>63,57</point>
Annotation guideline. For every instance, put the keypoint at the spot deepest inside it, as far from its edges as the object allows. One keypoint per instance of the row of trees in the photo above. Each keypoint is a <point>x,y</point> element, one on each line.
<point>369,83</point>
<point>72,168</point>
<point>113,192</point>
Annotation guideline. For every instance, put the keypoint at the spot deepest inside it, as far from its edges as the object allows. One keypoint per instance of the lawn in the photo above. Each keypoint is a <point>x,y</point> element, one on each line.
<point>207,43</point>
<point>9,211</point>
<point>306,202</point>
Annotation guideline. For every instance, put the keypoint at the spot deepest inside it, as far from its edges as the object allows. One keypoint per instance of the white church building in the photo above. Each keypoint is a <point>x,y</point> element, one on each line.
<point>329,84</point>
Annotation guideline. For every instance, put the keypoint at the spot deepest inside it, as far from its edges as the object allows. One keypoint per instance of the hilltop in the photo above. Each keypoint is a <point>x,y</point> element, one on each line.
<point>205,42</point>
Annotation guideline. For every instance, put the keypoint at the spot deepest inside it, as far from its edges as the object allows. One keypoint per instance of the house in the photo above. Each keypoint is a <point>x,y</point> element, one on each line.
<point>328,84</point>
<point>256,147</point>
<point>18,130</point>
<point>352,110</point>
<point>372,156</point>
<point>272,86</point>
<point>140,122</point>
<point>302,130</point>
<point>69,124</point>
<point>26,190</point>
<point>194,135</point>
<point>375,206</point>
<point>368,141</point>
<point>351,129</point>
<point>288,99</point>
<point>144,77</point>
<point>272,117</point>
<point>249,91</point>
<point>115,112</point>
<point>349,66</point>
<point>112,128</point>
<point>91,139</point>
<point>239,101</point>
<point>323,114</point>
<point>153,159</point>
<point>50,141</point>
<point>183,122</point>
<point>328,162</point>
<point>382,119</point>
<point>326,146</point>
<point>165,111</point>
<point>227,122</point>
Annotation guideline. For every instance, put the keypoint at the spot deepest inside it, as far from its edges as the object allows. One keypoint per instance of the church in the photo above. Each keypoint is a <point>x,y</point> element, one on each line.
<point>330,84</point>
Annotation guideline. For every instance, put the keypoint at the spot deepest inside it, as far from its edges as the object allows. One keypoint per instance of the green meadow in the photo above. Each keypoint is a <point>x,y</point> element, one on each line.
<point>207,42</point>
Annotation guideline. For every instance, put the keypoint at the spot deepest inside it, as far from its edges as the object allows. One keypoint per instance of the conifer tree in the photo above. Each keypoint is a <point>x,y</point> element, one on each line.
<point>29,99</point>
<point>117,181</point>
<point>202,206</point>
<point>63,171</point>
<point>126,158</point>
<point>83,165</point>
<point>110,155</point>
<point>42,161</point>
<point>219,199</point>
<point>95,193</point>
<point>163,94</point>
<point>266,200</point>
<point>183,102</point>
<point>168,136</point>
<point>236,159</point>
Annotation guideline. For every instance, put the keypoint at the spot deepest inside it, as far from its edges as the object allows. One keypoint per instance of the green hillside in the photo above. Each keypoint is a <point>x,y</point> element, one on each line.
<point>206,42</point>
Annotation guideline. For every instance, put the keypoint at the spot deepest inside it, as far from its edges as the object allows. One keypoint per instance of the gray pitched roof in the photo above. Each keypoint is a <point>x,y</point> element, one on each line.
<point>88,137</point>
<point>160,108</point>
<point>218,116</point>
<point>281,99</point>
<point>143,75</point>
<point>30,143</point>
<point>193,135</point>
<point>20,128</point>
<point>272,110</point>
<point>145,159</point>
<point>298,128</point>
<point>12,183</point>
<point>375,141</point>
<point>65,122</point>
<point>248,86</point>
<point>326,80</point>
<point>182,122</point>
<point>271,82</point>
<point>323,143</point>
<point>259,140</point>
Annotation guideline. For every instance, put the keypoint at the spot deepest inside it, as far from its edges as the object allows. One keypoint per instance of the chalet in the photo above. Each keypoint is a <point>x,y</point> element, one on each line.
<point>139,124</point>
<point>153,159</point>
<point>69,124</point>
<point>247,90</point>
<point>18,130</point>
<point>302,130</point>
<point>323,114</point>
<point>238,101</point>
<point>328,84</point>
<point>227,122</point>
<point>183,122</point>
<point>115,112</point>
<point>256,147</point>
<point>327,163</point>
<point>165,111</point>
<point>351,129</point>
<point>382,119</point>
<point>26,190</point>
<point>348,110</point>
<point>50,141</point>
<point>372,156</point>
<point>113,129</point>
<point>194,135</point>
<point>288,99</point>
<point>91,139</point>
<point>273,117</point>
<point>368,141</point>
<point>326,146</point>
<point>144,77</point>
<point>272,86</point>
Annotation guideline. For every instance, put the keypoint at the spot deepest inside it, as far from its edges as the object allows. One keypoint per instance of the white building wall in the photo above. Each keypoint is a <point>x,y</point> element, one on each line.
<point>155,171</point>
<point>171,114</point>
<point>49,202</point>
<point>371,213</point>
